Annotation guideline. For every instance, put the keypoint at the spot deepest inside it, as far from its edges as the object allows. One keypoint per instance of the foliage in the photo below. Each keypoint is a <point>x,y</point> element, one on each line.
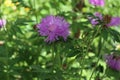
<point>24,55</point>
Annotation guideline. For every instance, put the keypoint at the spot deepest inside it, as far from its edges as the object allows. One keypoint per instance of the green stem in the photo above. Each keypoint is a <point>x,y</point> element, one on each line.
<point>57,56</point>
<point>58,60</point>
<point>87,50</point>
<point>53,54</point>
<point>34,7</point>
<point>35,11</point>
<point>95,67</point>
<point>7,68</point>
<point>81,63</point>
<point>7,56</point>
<point>99,56</point>
<point>7,53</point>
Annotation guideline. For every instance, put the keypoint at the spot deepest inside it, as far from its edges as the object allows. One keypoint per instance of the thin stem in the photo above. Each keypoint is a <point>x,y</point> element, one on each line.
<point>58,60</point>
<point>53,55</point>
<point>99,56</point>
<point>34,7</point>
<point>7,56</point>
<point>7,67</point>
<point>87,50</point>
<point>56,56</point>
<point>82,61</point>
<point>35,11</point>
<point>95,67</point>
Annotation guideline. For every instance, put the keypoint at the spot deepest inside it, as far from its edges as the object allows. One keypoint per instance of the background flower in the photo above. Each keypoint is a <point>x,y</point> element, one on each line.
<point>108,21</point>
<point>113,61</point>
<point>2,22</point>
<point>115,21</point>
<point>53,27</point>
<point>97,2</point>
<point>94,20</point>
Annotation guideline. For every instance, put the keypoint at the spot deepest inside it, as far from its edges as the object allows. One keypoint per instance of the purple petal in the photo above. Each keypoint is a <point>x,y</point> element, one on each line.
<point>2,22</point>
<point>113,61</point>
<point>99,15</point>
<point>97,2</point>
<point>117,65</point>
<point>53,27</point>
<point>115,21</point>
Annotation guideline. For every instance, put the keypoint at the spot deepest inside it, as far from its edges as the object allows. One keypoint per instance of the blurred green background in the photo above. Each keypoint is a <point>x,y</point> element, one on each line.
<point>25,56</point>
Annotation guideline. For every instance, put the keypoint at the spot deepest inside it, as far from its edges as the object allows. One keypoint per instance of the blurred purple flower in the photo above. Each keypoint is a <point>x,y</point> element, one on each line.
<point>53,27</point>
<point>98,15</point>
<point>97,2</point>
<point>107,20</point>
<point>115,21</point>
<point>113,61</point>
<point>2,22</point>
<point>94,20</point>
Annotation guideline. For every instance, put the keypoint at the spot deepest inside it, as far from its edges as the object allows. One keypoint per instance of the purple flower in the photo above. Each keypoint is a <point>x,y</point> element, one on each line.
<point>98,15</point>
<point>113,61</point>
<point>94,20</point>
<point>107,20</point>
<point>115,21</point>
<point>97,2</point>
<point>53,27</point>
<point>2,22</point>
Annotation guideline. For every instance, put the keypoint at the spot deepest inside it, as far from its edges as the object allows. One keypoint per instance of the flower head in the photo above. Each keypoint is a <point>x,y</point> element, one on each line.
<point>53,27</point>
<point>113,61</point>
<point>2,22</point>
<point>95,20</point>
<point>115,21</point>
<point>107,20</point>
<point>98,15</point>
<point>97,2</point>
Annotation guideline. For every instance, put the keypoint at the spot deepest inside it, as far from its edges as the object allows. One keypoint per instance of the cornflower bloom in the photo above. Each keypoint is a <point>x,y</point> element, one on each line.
<point>107,20</point>
<point>53,27</point>
<point>113,61</point>
<point>97,2</point>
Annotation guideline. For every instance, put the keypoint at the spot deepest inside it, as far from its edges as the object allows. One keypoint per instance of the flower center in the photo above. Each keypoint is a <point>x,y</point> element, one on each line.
<point>52,28</point>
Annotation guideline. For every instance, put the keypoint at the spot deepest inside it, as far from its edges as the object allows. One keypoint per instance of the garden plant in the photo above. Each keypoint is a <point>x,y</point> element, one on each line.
<point>59,39</point>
